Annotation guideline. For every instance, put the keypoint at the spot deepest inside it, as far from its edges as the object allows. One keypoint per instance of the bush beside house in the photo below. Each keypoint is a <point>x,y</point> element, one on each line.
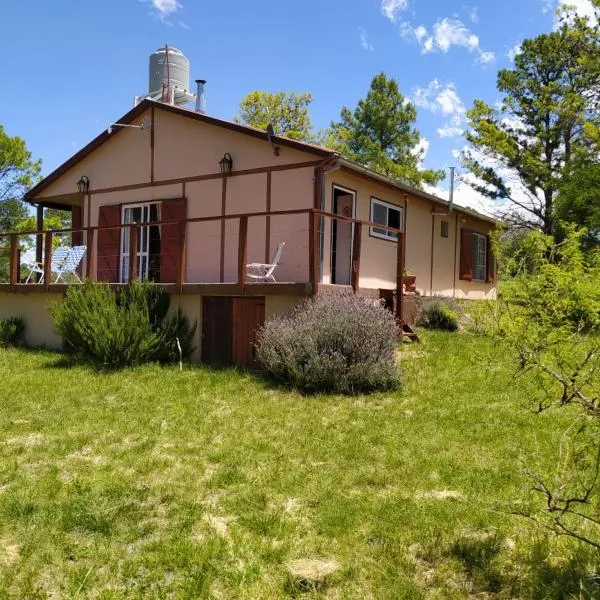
<point>333,343</point>
<point>122,329</point>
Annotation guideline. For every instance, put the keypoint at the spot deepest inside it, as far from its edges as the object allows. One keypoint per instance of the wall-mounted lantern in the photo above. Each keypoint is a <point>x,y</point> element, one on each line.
<point>226,164</point>
<point>83,185</point>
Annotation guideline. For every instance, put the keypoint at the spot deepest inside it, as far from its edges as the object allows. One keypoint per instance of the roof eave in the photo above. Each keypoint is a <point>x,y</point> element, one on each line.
<point>352,166</point>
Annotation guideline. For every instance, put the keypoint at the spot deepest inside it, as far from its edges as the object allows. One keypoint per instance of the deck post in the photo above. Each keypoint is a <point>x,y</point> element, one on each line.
<point>14,260</point>
<point>356,256</point>
<point>39,239</point>
<point>181,260</point>
<point>399,280</point>
<point>48,260</point>
<point>313,251</point>
<point>242,250</point>
<point>91,256</point>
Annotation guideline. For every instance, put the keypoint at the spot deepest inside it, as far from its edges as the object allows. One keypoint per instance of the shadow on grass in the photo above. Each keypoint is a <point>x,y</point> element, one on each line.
<point>541,574</point>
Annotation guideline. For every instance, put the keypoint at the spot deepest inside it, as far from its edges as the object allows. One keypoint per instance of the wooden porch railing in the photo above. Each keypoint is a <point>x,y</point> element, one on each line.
<point>315,217</point>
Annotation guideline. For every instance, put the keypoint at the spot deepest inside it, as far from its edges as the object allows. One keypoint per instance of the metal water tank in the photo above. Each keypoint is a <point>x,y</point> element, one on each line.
<point>172,73</point>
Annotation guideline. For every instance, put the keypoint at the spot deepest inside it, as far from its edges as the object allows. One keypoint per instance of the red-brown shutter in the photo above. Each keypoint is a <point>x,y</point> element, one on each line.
<point>489,263</point>
<point>466,254</point>
<point>171,210</point>
<point>76,223</point>
<point>109,244</point>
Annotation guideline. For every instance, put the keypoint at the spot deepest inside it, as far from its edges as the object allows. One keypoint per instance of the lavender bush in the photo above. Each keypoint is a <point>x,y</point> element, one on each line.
<point>334,343</point>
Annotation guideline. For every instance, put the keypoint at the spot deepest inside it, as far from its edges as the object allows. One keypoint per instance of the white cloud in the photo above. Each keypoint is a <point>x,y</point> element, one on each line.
<point>512,52</point>
<point>474,15</point>
<point>446,34</point>
<point>391,8</point>
<point>364,40</point>
<point>164,8</point>
<point>420,33</point>
<point>486,57</point>
<point>452,32</point>
<point>184,25</point>
<point>445,100</point>
<point>440,97</point>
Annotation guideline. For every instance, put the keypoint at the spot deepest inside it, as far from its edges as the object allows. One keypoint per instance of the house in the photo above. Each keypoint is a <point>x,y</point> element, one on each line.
<point>187,200</point>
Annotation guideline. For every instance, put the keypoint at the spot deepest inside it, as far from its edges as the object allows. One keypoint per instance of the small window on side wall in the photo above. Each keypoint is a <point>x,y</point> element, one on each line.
<point>444,229</point>
<point>388,215</point>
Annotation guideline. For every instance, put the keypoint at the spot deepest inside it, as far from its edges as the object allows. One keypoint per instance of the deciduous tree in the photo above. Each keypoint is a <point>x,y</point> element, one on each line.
<point>286,112</point>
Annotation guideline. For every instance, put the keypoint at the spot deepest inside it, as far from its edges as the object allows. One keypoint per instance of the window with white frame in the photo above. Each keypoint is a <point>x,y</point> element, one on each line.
<point>479,257</point>
<point>388,215</point>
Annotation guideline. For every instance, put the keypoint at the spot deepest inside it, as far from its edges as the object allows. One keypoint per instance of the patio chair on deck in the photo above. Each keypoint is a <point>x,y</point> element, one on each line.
<point>71,263</point>
<point>265,271</point>
<point>58,258</point>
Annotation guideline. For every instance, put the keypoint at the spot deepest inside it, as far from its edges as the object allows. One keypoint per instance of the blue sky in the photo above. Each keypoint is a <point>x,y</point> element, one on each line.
<point>72,67</point>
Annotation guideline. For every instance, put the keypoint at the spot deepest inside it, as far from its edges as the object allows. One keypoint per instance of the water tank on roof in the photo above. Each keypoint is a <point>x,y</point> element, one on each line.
<point>169,76</point>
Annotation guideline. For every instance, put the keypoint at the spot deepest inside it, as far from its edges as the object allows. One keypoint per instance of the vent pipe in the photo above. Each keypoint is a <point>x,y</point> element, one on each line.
<point>200,96</point>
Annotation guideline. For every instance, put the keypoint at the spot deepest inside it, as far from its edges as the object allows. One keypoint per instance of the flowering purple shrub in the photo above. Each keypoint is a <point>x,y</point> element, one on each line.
<point>333,343</point>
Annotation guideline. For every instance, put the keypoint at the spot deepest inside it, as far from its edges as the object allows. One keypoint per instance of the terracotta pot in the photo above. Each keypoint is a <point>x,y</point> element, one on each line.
<point>409,280</point>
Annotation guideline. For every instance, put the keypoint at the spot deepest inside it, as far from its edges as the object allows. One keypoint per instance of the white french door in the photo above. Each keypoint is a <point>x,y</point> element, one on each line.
<point>138,213</point>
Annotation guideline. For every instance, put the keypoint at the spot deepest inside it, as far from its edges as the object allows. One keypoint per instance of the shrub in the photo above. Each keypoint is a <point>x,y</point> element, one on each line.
<point>11,331</point>
<point>334,343</point>
<point>439,313</point>
<point>121,329</point>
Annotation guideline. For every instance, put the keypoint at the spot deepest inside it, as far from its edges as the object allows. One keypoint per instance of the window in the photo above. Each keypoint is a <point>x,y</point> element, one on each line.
<point>444,229</point>
<point>148,240</point>
<point>386,214</point>
<point>479,256</point>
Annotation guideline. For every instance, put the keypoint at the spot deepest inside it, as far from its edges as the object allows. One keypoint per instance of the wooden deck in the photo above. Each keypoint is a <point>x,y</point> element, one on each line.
<point>88,236</point>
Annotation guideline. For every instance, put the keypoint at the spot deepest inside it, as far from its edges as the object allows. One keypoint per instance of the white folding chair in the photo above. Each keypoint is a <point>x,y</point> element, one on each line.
<point>58,258</point>
<point>265,271</point>
<point>71,263</point>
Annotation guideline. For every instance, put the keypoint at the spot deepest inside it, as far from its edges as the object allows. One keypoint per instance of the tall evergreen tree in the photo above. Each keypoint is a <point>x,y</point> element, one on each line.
<point>380,134</point>
<point>522,151</point>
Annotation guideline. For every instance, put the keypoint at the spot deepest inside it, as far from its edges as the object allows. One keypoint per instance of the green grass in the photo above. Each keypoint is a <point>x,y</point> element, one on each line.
<point>156,483</point>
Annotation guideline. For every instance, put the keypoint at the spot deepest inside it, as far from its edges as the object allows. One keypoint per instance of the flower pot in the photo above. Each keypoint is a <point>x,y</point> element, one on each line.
<point>409,280</point>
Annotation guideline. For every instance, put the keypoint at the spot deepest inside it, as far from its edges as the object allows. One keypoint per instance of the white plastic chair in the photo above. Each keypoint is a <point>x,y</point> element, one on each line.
<point>59,257</point>
<point>265,271</point>
<point>70,264</point>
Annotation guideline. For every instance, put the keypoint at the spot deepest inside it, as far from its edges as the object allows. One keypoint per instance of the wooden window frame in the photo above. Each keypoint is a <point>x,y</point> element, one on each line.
<point>388,235</point>
<point>444,229</point>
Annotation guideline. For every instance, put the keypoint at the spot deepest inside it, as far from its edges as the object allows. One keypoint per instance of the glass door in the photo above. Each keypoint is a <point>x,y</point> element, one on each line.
<point>146,259</point>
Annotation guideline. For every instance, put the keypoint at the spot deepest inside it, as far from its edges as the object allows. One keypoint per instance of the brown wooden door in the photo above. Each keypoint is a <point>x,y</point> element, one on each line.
<point>216,331</point>
<point>248,318</point>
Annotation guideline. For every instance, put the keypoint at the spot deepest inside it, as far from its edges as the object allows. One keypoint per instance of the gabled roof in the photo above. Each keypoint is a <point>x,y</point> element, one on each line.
<point>144,105</point>
<point>320,151</point>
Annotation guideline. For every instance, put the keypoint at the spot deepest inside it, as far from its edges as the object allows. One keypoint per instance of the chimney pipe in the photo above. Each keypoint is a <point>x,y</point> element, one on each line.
<point>200,96</point>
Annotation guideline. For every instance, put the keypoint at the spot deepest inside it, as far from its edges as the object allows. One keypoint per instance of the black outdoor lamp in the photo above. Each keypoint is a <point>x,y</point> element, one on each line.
<point>226,164</point>
<point>83,185</point>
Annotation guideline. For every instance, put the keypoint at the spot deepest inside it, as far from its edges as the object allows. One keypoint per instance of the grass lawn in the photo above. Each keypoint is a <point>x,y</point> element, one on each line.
<point>156,483</point>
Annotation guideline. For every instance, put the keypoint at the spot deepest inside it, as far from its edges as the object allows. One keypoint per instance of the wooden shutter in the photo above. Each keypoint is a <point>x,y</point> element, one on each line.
<point>109,244</point>
<point>76,223</point>
<point>466,254</point>
<point>171,210</point>
<point>489,262</point>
